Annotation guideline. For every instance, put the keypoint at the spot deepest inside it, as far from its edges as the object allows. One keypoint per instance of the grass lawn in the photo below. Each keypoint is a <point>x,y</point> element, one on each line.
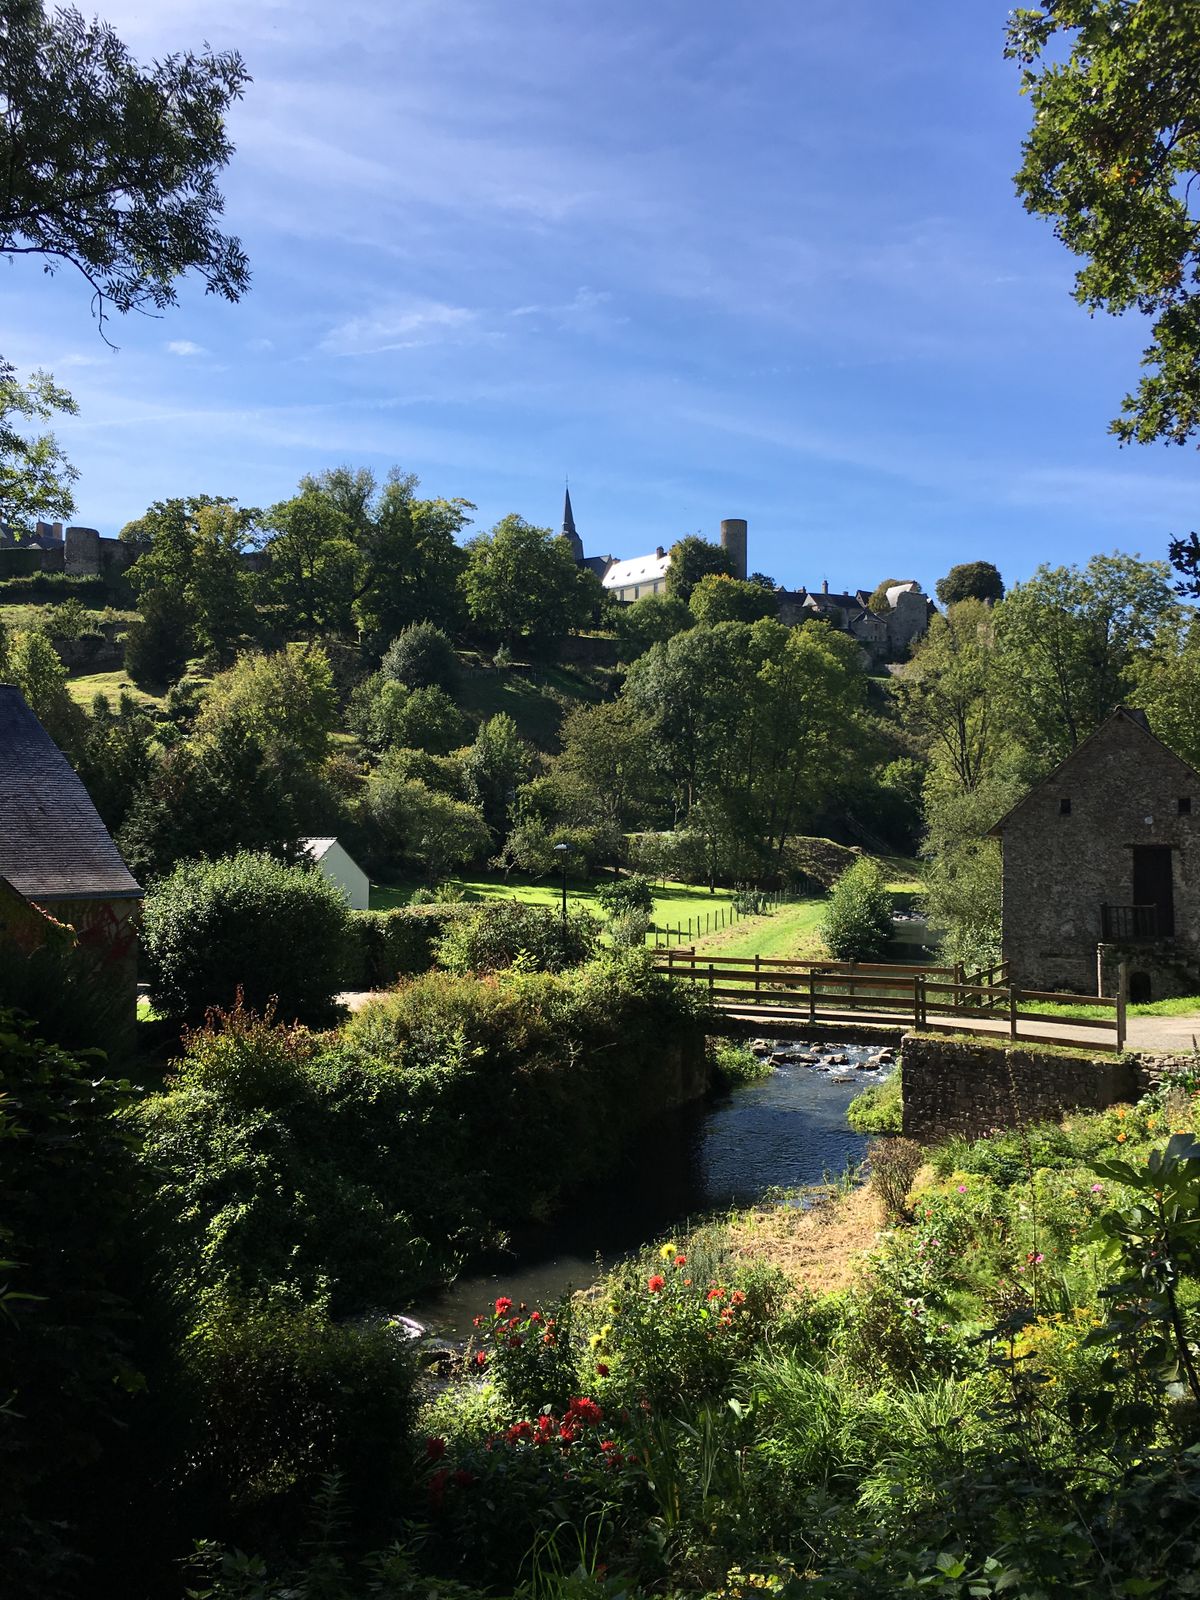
<point>1182,1006</point>
<point>789,932</point>
<point>84,689</point>
<point>537,708</point>
<point>674,903</point>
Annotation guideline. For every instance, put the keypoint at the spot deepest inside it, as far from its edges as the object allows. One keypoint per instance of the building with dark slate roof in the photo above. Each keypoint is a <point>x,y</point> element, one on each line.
<point>56,853</point>
<point>1102,865</point>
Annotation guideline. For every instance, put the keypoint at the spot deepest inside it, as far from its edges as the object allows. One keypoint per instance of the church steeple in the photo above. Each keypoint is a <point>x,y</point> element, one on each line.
<point>568,527</point>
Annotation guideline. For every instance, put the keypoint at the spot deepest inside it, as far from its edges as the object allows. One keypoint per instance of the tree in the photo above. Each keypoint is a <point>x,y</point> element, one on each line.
<point>606,765</point>
<point>692,559</point>
<point>35,475</point>
<point>41,677</point>
<point>408,822</point>
<point>1111,157</point>
<point>951,694</point>
<point>494,768</point>
<point>193,565</point>
<point>421,656</point>
<point>314,563</point>
<point>970,580</point>
<point>858,918</point>
<point>286,698</point>
<point>1069,637</point>
<point>652,620</point>
<point>114,756</point>
<point>720,598</point>
<point>1167,685</point>
<point>113,168</point>
<point>522,585</point>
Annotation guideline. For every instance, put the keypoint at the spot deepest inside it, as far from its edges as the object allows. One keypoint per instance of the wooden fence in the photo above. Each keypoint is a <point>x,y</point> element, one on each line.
<point>936,998</point>
<point>715,920</point>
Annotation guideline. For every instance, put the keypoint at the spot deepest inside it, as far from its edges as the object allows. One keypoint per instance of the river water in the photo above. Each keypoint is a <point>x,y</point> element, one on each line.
<point>786,1130</point>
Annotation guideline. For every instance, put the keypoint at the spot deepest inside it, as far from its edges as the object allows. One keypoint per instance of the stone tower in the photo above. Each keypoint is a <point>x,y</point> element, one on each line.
<point>568,529</point>
<point>733,539</point>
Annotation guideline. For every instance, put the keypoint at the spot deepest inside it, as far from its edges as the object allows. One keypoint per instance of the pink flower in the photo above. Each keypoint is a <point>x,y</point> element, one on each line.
<point>962,1188</point>
<point>1097,1188</point>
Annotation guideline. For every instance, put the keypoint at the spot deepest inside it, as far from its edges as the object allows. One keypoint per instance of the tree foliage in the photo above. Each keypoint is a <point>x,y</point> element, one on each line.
<point>192,574</point>
<point>970,580</point>
<point>694,558</point>
<point>858,918</point>
<point>1111,156</point>
<point>523,586</point>
<point>719,598</point>
<point>35,475</point>
<point>111,167</point>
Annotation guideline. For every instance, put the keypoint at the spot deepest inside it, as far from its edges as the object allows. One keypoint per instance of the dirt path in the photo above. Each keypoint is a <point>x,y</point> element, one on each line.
<point>1164,1035</point>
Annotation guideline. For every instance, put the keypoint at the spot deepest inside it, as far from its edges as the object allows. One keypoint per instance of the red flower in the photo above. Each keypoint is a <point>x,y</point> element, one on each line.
<point>477,1322</point>
<point>503,1306</point>
<point>583,1410</point>
<point>519,1430</point>
<point>435,1448</point>
<point>548,1338</point>
<point>715,1294</point>
<point>545,1428</point>
<point>681,1261</point>
<point>515,1342</point>
<point>535,1316</point>
<point>655,1282</point>
<point>602,1368</point>
<point>608,1444</point>
<point>480,1359</point>
<point>463,1478</point>
<point>738,1298</point>
<point>568,1432</point>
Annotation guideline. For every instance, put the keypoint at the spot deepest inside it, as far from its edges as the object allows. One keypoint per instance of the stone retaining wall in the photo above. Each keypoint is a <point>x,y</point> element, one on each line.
<point>954,1086</point>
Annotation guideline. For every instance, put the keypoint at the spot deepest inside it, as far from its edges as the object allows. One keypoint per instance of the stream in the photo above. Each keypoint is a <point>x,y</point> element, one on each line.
<point>785,1131</point>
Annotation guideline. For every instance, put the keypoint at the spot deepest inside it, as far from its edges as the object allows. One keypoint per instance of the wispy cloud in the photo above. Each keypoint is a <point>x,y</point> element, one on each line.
<point>184,347</point>
<point>397,327</point>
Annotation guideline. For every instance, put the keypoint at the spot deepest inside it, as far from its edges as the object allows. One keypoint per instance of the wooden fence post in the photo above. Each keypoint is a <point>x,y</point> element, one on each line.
<point>757,978</point>
<point>812,995</point>
<point>916,999</point>
<point>1012,1012</point>
<point>710,982</point>
<point>959,980</point>
<point>1122,1001</point>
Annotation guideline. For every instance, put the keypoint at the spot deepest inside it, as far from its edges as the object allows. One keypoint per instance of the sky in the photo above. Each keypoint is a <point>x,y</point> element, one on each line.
<point>707,259</point>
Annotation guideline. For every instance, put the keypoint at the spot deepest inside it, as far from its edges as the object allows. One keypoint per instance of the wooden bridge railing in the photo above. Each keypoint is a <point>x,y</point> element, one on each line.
<point>925,996</point>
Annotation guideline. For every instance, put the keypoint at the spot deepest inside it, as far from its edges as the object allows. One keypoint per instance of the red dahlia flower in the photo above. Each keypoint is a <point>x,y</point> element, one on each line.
<point>655,1282</point>
<point>503,1306</point>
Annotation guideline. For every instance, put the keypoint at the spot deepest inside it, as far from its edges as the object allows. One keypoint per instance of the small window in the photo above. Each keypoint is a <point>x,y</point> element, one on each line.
<point>1064,807</point>
<point>1185,805</point>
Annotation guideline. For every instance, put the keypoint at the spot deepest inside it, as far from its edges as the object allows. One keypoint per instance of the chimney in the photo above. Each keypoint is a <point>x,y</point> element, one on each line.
<point>660,552</point>
<point>824,585</point>
<point>733,539</point>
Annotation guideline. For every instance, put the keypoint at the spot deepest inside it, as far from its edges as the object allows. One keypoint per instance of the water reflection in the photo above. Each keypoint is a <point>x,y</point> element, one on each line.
<point>787,1130</point>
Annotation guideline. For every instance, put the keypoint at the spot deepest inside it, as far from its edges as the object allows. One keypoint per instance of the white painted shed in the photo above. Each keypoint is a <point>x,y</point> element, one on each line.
<point>341,869</point>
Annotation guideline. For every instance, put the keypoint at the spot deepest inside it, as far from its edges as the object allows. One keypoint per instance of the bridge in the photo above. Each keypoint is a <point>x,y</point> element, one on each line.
<point>947,999</point>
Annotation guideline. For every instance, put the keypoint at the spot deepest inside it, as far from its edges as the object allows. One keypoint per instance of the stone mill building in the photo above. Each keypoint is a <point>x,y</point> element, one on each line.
<point>1102,865</point>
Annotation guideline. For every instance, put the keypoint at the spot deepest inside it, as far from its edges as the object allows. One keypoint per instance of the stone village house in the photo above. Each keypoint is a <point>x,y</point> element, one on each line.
<point>58,862</point>
<point>1102,865</point>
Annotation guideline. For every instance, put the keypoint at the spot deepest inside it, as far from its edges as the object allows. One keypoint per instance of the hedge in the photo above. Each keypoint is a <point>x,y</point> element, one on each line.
<point>399,944</point>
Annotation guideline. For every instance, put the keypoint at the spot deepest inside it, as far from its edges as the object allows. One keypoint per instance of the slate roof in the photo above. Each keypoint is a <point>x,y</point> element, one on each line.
<point>637,569</point>
<point>1123,714</point>
<point>53,845</point>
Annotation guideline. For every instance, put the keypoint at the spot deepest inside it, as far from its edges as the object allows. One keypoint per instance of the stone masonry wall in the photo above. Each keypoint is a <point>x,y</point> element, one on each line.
<point>1120,789</point>
<point>953,1086</point>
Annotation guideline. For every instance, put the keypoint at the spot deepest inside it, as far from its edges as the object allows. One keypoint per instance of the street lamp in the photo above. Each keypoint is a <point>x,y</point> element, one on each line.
<point>562,851</point>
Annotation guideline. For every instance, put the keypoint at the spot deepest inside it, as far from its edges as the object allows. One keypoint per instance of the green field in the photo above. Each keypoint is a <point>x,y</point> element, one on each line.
<point>674,903</point>
<point>788,932</point>
<point>84,689</point>
<point>1182,1006</point>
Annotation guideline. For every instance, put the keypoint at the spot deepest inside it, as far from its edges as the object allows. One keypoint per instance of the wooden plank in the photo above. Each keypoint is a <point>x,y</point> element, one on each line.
<point>1058,998</point>
<point>1002,1032</point>
<point>1108,1023</point>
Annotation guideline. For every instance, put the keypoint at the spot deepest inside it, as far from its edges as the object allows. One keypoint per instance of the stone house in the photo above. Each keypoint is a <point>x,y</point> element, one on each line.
<point>1102,865</point>
<point>58,862</point>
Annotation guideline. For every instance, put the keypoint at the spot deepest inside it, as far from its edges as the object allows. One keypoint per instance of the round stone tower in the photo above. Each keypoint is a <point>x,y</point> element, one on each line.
<point>733,539</point>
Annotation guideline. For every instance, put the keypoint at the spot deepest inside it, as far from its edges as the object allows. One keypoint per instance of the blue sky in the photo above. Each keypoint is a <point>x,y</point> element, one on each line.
<point>713,260</point>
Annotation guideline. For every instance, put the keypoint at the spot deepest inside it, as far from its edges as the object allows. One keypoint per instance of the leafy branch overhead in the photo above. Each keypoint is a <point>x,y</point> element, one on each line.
<point>1111,159</point>
<point>112,167</point>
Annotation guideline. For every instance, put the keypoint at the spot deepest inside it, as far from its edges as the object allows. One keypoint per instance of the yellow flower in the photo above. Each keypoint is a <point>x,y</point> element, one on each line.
<point>668,1250</point>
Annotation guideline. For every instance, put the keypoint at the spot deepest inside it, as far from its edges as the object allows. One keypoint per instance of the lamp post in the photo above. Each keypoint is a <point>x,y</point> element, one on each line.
<point>562,851</point>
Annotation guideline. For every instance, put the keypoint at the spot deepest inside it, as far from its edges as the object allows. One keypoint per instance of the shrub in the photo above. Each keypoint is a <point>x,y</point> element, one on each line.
<point>894,1165</point>
<point>858,918</point>
<point>246,922</point>
<point>634,893</point>
<point>421,656</point>
<point>879,1108</point>
<point>629,930</point>
<point>400,943</point>
<point>508,932</point>
<point>736,1063</point>
<point>281,1397</point>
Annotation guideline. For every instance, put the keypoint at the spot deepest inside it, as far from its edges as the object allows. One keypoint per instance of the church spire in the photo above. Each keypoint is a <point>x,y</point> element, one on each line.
<point>568,527</point>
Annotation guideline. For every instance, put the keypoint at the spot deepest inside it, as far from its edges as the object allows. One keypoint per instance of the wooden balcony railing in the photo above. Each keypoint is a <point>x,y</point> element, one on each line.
<point>1128,924</point>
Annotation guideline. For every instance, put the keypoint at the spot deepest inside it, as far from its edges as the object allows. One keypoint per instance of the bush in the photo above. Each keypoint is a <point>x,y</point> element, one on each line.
<point>879,1108</point>
<point>894,1165</point>
<point>508,932</point>
<point>858,918</point>
<point>737,1063</point>
<point>400,943</point>
<point>634,893</point>
<point>421,656</point>
<point>281,1397</point>
<point>246,922</point>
